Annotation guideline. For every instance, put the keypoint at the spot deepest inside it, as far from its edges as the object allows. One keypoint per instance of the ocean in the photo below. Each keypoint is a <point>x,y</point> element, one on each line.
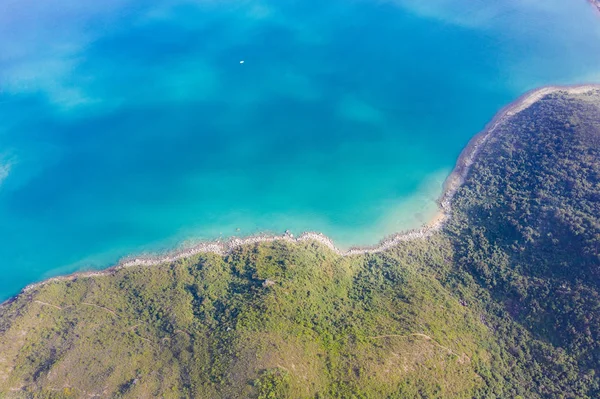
<point>130,127</point>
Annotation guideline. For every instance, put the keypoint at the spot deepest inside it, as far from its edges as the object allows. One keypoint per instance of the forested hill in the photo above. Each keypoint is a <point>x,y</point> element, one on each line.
<point>503,302</point>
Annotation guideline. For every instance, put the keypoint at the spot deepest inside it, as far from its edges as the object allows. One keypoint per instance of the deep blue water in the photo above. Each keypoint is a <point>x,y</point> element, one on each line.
<point>128,127</point>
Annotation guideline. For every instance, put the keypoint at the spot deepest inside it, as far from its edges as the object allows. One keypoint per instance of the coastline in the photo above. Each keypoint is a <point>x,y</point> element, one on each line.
<point>451,185</point>
<point>470,152</point>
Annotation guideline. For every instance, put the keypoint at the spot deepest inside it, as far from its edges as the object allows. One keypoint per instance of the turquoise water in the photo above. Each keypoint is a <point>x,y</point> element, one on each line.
<point>129,127</point>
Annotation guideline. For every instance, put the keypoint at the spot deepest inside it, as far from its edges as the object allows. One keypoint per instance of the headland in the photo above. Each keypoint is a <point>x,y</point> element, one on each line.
<point>452,184</point>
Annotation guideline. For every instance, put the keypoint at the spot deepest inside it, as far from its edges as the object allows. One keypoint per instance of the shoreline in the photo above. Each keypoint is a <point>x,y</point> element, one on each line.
<point>451,185</point>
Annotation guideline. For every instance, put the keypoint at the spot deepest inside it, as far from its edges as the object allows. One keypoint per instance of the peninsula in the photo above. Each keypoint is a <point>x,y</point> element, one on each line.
<point>497,298</point>
<point>451,186</point>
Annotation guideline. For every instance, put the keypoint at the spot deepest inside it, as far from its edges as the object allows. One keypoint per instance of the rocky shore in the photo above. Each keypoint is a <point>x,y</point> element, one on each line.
<point>470,152</point>
<point>227,246</point>
<point>451,186</point>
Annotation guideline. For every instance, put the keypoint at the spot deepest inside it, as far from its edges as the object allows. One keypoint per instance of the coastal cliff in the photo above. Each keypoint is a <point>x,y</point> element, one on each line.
<point>499,299</point>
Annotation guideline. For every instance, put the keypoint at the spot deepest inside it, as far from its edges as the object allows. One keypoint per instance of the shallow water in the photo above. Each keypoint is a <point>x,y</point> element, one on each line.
<point>129,127</point>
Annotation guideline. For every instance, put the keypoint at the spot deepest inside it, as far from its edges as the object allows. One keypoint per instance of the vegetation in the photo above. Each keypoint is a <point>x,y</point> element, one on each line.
<point>504,302</point>
<point>527,230</point>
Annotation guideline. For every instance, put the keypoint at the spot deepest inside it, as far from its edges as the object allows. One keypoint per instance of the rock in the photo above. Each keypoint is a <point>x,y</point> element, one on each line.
<point>268,283</point>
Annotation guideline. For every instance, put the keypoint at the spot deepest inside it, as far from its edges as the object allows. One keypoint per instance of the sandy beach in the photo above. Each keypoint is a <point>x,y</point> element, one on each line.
<point>452,184</point>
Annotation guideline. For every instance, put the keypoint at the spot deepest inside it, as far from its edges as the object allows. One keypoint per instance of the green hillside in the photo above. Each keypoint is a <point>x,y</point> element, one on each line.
<point>504,302</point>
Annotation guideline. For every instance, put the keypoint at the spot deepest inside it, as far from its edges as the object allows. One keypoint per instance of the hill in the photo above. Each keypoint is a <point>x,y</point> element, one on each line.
<point>502,301</point>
